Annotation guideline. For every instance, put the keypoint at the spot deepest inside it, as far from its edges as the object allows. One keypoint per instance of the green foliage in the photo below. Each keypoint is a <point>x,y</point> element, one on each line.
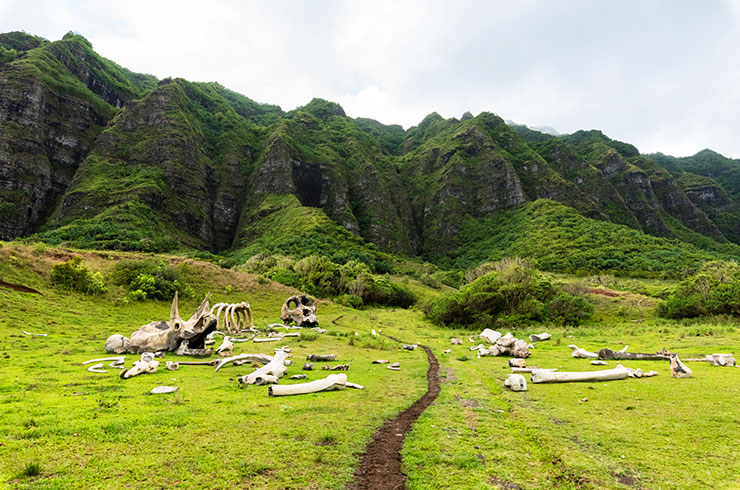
<point>352,283</point>
<point>31,469</point>
<point>558,238</point>
<point>150,279</point>
<point>509,295</point>
<point>713,290</point>
<point>76,276</point>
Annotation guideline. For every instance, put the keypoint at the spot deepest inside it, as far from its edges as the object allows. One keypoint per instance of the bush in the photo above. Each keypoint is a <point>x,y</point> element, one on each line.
<point>350,300</point>
<point>150,279</point>
<point>76,276</point>
<point>510,294</point>
<point>713,290</point>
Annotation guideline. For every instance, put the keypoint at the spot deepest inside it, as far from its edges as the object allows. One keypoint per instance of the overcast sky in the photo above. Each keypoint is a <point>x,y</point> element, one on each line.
<point>661,74</point>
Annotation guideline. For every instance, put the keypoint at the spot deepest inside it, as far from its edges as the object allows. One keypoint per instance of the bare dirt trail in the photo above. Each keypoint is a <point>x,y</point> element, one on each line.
<point>380,465</point>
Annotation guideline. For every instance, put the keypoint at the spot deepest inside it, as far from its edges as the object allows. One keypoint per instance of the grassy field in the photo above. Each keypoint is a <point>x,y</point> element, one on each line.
<point>63,427</point>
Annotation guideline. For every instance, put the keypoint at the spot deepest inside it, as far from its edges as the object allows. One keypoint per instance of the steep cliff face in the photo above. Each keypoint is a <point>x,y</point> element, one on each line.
<point>166,158</point>
<point>49,120</point>
<point>94,155</point>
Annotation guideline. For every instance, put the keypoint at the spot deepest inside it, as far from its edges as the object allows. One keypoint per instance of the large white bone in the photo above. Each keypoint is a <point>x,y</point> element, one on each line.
<point>542,376</point>
<point>516,382</point>
<point>330,383</point>
<point>275,367</point>
<point>263,358</point>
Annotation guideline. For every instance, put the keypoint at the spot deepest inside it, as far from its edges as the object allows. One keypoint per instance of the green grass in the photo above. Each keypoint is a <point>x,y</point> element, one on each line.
<point>62,427</point>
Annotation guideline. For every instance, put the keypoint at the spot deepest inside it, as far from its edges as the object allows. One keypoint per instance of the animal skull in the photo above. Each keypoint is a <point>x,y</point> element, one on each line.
<point>175,335</point>
<point>301,310</point>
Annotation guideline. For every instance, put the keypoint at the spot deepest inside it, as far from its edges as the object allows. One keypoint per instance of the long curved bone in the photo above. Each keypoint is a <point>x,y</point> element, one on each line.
<point>104,359</point>
<point>97,368</point>
<point>235,316</point>
<point>330,383</point>
<point>276,367</point>
<point>263,358</point>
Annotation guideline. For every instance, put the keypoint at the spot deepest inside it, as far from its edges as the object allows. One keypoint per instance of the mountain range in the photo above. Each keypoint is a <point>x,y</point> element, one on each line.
<point>94,155</point>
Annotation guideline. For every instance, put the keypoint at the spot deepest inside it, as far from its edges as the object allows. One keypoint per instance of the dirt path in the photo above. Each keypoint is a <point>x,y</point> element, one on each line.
<point>380,466</point>
<point>18,287</point>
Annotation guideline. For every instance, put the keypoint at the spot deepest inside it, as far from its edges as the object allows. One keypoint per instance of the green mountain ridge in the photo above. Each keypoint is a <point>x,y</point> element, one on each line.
<point>94,155</point>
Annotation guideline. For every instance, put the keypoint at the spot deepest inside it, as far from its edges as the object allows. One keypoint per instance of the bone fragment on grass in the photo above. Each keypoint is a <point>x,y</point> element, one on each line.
<point>36,334</point>
<point>146,364</point>
<point>105,359</point>
<point>97,368</point>
<point>678,368</point>
<point>516,382</point>
<point>330,383</point>
<point>276,367</point>
<point>396,366</point>
<point>301,310</point>
<point>263,358</point>
<point>540,337</point>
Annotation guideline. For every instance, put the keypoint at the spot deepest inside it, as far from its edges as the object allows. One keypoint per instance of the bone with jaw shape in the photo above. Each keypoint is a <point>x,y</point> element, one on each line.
<point>175,335</point>
<point>301,310</point>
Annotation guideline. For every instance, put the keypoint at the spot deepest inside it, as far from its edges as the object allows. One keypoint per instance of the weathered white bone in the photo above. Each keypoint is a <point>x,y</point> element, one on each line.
<point>516,382</point>
<point>375,334</point>
<point>263,358</point>
<point>456,341</point>
<point>235,316</point>
<point>302,312</point>
<point>679,369</point>
<point>298,376</point>
<point>105,359</point>
<point>381,361</point>
<point>265,379</point>
<point>634,356</point>
<point>226,346</point>
<point>36,334</point>
<point>267,339</point>
<point>354,385</point>
<point>579,353</point>
<point>275,367</point>
<point>477,347</point>
<point>599,362</point>
<point>540,337</point>
<point>117,344</point>
<point>172,365</point>
<point>447,351</point>
<point>97,368</point>
<point>330,383</point>
<point>164,389</point>
<point>721,359</point>
<point>490,336</point>
<point>147,364</point>
<point>396,366</point>
<point>118,364</point>
<point>517,362</point>
<point>542,376</point>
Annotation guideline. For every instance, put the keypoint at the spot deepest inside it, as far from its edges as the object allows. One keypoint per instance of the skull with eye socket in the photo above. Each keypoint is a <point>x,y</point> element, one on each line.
<point>301,310</point>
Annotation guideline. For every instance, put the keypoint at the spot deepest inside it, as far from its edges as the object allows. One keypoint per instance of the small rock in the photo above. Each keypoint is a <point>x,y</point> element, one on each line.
<point>396,366</point>
<point>298,376</point>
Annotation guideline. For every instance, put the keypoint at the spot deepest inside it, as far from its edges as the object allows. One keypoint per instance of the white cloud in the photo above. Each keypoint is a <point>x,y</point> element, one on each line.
<point>662,75</point>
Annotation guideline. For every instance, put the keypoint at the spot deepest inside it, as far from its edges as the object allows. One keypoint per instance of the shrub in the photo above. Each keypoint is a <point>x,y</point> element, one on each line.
<point>350,300</point>
<point>510,294</point>
<point>76,276</point>
<point>713,290</point>
<point>156,279</point>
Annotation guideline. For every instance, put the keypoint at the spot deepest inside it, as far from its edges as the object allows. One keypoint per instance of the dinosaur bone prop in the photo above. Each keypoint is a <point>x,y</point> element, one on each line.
<point>507,345</point>
<point>579,353</point>
<point>330,383</point>
<point>608,354</point>
<point>146,364</point>
<point>540,337</point>
<point>269,373</point>
<point>301,310</point>
<point>717,359</point>
<point>619,372</point>
<point>176,335</point>
<point>516,382</point>
<point>235,316</point>
<point>679,369</point>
